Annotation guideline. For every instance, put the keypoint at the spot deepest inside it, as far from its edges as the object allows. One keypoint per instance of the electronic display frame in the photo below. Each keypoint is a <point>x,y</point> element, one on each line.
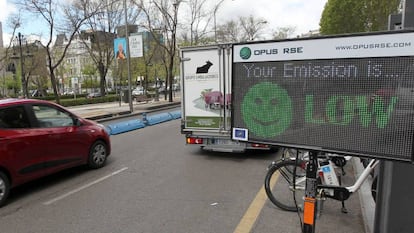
<point>349,94</point>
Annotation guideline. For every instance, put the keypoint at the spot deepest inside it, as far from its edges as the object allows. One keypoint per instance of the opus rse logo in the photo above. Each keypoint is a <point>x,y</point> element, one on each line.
<point>246,52</point>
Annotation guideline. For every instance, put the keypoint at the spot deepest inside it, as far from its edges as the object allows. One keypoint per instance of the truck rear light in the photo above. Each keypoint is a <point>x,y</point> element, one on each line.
<point>194,141</point>
<point>257,145</point>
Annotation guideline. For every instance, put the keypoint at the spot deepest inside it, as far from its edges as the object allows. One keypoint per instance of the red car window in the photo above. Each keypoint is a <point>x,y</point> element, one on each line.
<point>48,116</point>
<point>14,118</point>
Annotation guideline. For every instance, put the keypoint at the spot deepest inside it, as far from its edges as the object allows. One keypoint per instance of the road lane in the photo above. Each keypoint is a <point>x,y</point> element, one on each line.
<point>168,187</point>
<point>84,187</point>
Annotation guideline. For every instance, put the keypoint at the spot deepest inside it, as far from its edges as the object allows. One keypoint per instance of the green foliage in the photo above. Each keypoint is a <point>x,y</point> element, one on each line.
<point>342,16</point>
<point>350,16</point>
<point>377,12</point>
<point>90,83</point>
<point>83,101</point>
<point>70,100</point>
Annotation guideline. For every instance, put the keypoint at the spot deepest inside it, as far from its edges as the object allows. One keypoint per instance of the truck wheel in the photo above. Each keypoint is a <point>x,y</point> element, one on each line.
<point>4,188</point>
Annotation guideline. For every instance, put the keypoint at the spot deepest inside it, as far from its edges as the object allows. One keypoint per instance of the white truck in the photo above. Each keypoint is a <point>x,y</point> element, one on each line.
<point>205,74</point>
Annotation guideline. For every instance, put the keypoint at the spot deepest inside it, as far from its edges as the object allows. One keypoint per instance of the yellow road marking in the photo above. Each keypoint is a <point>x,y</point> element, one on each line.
<point>250,216</point>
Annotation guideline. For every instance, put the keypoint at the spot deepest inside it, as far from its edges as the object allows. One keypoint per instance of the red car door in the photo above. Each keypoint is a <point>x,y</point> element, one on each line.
<point>19,152</point>
<point>65,145</point>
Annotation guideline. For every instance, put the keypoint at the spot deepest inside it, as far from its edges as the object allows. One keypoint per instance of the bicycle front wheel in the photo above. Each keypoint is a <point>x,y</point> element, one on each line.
<point>285,184</point>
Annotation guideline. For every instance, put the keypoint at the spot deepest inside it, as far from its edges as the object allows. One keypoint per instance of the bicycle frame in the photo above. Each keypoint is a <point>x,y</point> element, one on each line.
<point>371,166</point>
<point>339,192</point>
<point>293,171</point>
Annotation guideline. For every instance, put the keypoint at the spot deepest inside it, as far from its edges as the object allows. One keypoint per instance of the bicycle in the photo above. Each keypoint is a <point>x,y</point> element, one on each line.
<point>290,174</point>
<point>339,160</point>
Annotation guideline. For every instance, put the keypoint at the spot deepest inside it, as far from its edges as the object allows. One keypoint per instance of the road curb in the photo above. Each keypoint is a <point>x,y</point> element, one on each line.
<point>138,111</point>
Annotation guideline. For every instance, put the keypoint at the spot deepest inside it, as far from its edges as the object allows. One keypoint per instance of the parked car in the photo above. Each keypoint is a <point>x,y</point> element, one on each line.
<point>94,95</point>
<point>138,91</point>
<point>69,93</point>
<point>176,87</point>
<point>38,138</point>
<point>38,93</point>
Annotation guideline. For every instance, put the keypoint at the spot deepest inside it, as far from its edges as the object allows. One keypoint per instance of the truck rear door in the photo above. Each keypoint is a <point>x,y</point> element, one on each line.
<point>206,77</point>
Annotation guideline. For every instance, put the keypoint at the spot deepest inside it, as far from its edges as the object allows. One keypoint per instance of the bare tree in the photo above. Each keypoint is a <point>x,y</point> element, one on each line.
<point>60,17</point>
<point>101,31</point>
<point>162,18</point>
<point>283,32</point>
<point>199,22</point>
<point>245,29</point>
<point>229,32</point>
<point>6,63</point>
<point>14,22</point>
<point>35,71</point>
<point>252,27</point>
<point>202,27</point>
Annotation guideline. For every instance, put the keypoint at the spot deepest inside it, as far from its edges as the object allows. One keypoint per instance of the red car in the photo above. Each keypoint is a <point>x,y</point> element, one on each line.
<point>38,138</point>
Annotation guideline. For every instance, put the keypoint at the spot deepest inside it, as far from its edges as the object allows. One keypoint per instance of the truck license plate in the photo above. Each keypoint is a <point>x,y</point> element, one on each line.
<point>226,142</point>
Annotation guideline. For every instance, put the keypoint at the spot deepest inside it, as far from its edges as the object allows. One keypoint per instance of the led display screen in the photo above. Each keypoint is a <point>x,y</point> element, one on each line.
<point>352,94</point>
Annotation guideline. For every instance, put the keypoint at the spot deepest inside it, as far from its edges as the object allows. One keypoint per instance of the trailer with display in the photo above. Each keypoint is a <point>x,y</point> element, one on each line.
<point>205,74</point>
<point>351,94</point>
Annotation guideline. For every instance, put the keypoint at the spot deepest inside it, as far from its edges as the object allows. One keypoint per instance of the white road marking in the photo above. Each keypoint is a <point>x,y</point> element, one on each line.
<point>84,187</point>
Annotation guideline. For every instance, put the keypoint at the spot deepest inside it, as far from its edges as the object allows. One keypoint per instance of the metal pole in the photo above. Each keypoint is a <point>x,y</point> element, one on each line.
<point>309,209</point>
<point>215,25</point>
<point>215,20</point>
<point>131,108</point>
<point>4,83</point>
<point>20,37</point>
<point>394,205</point>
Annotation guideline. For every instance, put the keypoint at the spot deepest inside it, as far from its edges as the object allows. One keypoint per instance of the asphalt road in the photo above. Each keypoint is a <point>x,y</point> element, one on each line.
<point>153,182</point>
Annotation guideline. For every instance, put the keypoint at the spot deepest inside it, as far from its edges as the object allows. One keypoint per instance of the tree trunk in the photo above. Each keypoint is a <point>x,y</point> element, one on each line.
<point>101,69</point>
<point>54,85</point>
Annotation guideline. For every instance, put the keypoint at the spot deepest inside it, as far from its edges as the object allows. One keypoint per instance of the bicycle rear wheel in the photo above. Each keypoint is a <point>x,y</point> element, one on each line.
<point>279,184</point>
<point>291,154</point>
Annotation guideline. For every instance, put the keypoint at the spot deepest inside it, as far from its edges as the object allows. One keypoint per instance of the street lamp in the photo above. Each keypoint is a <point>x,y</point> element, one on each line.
<point>19,40</point>
<point>215,20</point>
<point>131,108</point>
<point>215,23</point>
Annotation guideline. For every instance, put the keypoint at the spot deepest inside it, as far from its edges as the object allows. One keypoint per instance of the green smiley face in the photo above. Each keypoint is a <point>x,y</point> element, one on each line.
<point>267,110</point>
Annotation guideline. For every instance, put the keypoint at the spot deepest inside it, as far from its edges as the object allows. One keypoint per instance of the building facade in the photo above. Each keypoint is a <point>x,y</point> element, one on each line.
<point>78,71</point>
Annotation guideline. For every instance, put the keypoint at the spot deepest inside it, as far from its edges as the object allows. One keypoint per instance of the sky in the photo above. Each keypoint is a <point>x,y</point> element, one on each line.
<point>303,15</point>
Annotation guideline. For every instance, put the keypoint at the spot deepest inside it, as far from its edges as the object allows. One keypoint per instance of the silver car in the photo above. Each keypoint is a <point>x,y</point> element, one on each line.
<point>138,91</point>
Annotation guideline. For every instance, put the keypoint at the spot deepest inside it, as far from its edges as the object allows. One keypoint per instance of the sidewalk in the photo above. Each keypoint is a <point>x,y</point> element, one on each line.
<point>112,110</point>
